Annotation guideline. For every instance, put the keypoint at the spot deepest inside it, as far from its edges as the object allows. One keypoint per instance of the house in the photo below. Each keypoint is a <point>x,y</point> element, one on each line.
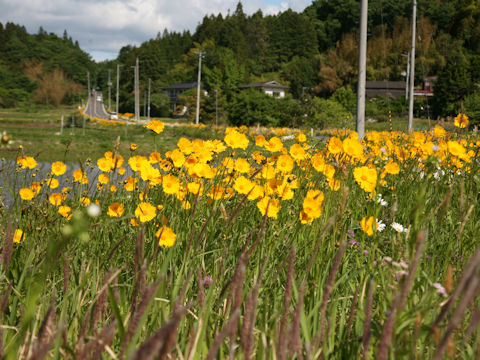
<point>427,90</point>
<point>174,90</point>
<point>272,88</point>
<point>389,89</point>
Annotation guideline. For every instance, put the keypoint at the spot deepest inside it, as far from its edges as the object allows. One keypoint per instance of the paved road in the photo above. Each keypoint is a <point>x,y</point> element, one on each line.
<point>95,106</point>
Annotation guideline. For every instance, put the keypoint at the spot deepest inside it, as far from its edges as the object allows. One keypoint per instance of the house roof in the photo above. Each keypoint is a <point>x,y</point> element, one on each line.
<point>270,84</point>
<point>386,85</point>
<point>182,86</point>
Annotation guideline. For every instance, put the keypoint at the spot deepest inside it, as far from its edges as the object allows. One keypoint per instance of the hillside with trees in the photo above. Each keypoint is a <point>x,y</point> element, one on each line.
<point>42,67</point>
<point>313,52</point>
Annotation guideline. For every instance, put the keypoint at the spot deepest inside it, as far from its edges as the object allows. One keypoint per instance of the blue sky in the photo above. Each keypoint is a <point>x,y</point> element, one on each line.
<point>102,27</point>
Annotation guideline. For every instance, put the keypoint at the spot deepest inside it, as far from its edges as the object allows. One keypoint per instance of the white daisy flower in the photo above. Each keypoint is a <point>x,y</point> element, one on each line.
<point>380,225</point>
<point>398,227</point>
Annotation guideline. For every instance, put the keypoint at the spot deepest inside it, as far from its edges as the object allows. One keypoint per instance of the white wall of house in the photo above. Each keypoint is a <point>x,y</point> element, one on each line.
<point>275,92</point>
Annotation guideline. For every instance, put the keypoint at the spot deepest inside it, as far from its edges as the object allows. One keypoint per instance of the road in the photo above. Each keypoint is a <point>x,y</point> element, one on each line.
<point>95,106</point>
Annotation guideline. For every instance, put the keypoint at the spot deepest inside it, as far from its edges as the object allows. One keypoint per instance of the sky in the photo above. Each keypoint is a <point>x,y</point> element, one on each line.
<point>103,27</point>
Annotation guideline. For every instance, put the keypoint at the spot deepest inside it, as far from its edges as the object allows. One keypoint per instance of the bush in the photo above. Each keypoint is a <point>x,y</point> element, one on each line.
<point>472,107</point>
<point>327,113</point>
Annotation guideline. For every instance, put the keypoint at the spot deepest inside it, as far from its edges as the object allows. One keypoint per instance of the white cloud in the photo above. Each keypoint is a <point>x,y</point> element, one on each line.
<point>102,27</point>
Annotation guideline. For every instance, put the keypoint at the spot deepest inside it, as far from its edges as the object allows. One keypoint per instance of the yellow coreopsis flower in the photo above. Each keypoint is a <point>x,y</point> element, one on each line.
<point>236,140</point>
<point>65,211</point>
<point>105,164</point>
<point>27,162</point>
<point>285,164</point>
<point>170,184</point>
<point>80,176</point>
<point>243,185</point>
<point>156,126</point>
<point>273,207</point>
<point>166,236</point>
<point>115,210</point>
<point>58,168</point>
<point>26,193</point>
<point>242,166</point>
<point>274,144</point>
<point>133,146</point>
<point>392,168</point>
<point>368,225</point>
<point>145,211</point>
<point>297,152</point>
<point>461,121</point>
<point>52,183</point>
<point>18,236</point>
<point>353,147</point>
<point>366,177</point>
<point>130,183</point>
<point>335,145</point>
<point>103,179</point>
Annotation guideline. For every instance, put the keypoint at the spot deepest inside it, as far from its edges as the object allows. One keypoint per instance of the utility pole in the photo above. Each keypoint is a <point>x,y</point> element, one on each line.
<point>109,83</point>
<point>148,107</point>
<point>412,68</point>
<point>200,55</point>
<point>118,84</point>
<point>362,65</point>
<point>88,95</point>
<point>144,104</point>
<point>137,93</point>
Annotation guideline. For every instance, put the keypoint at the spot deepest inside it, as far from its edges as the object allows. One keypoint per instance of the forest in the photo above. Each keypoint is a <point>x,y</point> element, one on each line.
<point>313,52</point>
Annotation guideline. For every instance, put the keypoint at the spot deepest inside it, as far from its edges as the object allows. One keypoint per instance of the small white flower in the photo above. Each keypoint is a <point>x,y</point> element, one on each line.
<point>380,225</point>
<point>398,227</point>
<point>440,289</point>
<point>383,150</point>
<point>435,148</point>
<point>93,210</point>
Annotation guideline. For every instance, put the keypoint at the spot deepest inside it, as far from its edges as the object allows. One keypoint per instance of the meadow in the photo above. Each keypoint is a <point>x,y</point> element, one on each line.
<point>245,243</point>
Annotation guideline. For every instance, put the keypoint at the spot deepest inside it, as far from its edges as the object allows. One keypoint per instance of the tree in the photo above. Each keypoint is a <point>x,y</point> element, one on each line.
<point>452,85</point>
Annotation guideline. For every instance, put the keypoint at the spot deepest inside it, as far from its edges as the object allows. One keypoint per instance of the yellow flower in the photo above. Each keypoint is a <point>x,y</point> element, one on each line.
<point>130,183</point>
<point>103,179</point>
<point>368,225</point>
<point>133,146</point>
<point>439,131</point>
<point>80,176</point>
<point>297,151</point>
<point>242,166</point>
<point>26,193</point>
<point>366,177</point>
<point>273,207</point>
<point>456,149</point>
<point>285,164</point>
<point>137,162</point>
<point>145,211</point>
<point>58,168</point>
<point>27,162</point>
<point>105,164</point>
<point>353,148</point>
<point>235,140</point>
<point>65,211</point>
<point>301,137</point>
<point>274,144</point>
<point>53,183</point>
<point>85,201</point>
<point>57,198</point>
<point>335,145</point>
<point>177,158</point>
<point>166,236</point>
<point>156,126</point>
<point>461,121</point>
<point>170,184</point>
<point>18,236</point>
<point>115,210</point>
<point>36,187</point>
<point>260,140</point>
<point>185,146</point>
<point>243,185</point>
<point>392,168</point>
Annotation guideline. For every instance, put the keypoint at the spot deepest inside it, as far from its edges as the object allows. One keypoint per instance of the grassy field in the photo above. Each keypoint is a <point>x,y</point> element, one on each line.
<point>244,245</point>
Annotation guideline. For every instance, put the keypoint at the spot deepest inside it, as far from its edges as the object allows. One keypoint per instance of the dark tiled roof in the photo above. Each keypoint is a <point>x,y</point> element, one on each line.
<point>270,84</point>
<point>182,86</point>
<point>385,85</point>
